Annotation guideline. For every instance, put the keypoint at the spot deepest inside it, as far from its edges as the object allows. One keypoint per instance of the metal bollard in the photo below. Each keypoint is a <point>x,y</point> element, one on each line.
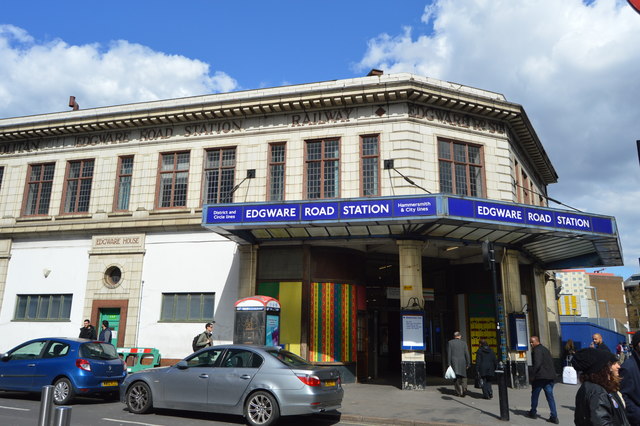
<point>502,392</point>
<point>46,403</point>
<point>63,416</point>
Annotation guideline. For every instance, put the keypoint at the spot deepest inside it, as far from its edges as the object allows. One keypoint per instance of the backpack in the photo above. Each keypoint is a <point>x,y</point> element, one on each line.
<point>194,345</point>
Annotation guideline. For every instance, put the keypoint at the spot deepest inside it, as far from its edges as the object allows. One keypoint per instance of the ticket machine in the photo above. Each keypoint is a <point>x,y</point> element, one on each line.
<point>257,321</point>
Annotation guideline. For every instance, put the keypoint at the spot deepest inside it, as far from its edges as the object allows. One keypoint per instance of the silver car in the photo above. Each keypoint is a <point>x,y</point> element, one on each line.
<point>260,383</point>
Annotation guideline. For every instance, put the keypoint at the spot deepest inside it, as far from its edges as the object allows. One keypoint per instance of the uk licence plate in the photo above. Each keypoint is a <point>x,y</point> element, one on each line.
<point>110,383</point>
<point>330,383</point>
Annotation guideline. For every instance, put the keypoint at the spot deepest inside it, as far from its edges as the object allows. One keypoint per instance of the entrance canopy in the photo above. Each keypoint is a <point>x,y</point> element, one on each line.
<point>555,239</point>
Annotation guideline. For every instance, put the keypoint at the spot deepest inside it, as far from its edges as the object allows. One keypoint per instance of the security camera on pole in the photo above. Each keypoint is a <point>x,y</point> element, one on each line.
<point>489,259</point>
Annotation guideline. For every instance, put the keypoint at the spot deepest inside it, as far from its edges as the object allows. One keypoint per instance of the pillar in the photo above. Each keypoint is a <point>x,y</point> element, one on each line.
<point>548,319</point>
<point>512,297</point>
<point>248,270</point>
<point>5,255</point>
<point>410,259</point>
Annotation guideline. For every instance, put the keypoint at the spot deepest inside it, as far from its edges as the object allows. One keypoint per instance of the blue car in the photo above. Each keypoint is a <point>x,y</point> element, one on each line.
<point>73,366</point>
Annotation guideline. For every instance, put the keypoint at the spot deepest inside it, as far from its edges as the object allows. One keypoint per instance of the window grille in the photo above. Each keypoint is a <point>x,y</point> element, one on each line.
<point>322,163</point>
<point>174,176</point>
<point>219,175</point>
<point>39,184</point>
<point>78,184</point>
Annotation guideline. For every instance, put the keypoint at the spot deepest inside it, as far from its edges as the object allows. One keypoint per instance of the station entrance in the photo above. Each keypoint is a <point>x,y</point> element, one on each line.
<point>348,305</point>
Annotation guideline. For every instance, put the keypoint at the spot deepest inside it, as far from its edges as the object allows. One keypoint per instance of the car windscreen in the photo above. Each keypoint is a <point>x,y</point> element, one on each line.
<point>289,359</point>
<point>98,350</point>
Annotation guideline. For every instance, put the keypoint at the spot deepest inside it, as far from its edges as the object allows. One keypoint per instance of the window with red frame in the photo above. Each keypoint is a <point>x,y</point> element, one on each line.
<point>173,179</point>
<point>219,175</point>
<point>39,184</point>
<point>322,168</point>
<point>370,165</point>
<point>123,190</point>
<point>78,186</point>
<point>460,168</point>
<point>276,171</point>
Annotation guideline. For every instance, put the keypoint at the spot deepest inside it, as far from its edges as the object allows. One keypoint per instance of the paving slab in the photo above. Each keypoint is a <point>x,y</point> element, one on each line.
<point>439,405</point>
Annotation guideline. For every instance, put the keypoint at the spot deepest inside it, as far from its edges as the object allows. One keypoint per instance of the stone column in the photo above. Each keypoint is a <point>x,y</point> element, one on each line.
<point>248,270</point>
<point>5,255</point>
<point>512,296</point>
<point>547,313</point>
<point>410,257</point>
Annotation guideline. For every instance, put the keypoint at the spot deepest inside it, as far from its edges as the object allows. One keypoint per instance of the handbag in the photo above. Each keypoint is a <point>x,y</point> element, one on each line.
<point>479,382</point>
<point>569,375</point>
<point>450,374</point>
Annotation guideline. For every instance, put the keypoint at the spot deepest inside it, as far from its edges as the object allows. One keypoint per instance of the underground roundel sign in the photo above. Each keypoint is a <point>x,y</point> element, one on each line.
<point>635,4</point>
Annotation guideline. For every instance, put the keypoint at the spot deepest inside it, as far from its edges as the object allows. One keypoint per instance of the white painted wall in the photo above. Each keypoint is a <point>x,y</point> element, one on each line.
<point>193,262</point>
<point>68,262</point>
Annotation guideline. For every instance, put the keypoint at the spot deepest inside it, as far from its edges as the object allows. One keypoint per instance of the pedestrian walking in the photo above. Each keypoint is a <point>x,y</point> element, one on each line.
<point>88,331</point>
<point>598,343</point>
<point>458,358</point>
<point>598,401</point>
<point>630,384</point>
<point>205,338</point>
<point>105,333</point>
<point>486,363</point>
<point>543,375</point>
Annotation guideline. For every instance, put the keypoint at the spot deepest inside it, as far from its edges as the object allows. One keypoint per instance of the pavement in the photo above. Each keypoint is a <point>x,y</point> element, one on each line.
<point>387,404</point>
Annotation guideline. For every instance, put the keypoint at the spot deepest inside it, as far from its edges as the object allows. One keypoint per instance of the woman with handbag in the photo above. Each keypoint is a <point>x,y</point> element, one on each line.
<point>486,363</point>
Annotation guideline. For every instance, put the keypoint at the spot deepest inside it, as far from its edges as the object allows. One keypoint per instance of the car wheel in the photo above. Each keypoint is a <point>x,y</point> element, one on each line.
<point>62,391</point>
<point>138,398</point>
<point>261,409</point>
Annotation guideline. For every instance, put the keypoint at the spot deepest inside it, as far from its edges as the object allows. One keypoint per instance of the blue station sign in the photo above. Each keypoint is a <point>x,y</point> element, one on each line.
<point>532,216</point>
<point>331,211</point>
<point>409,208</point>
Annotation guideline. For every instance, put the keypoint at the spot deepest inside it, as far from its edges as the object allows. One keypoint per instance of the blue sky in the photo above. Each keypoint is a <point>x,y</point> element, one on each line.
<point>572,64</point>
<point>257,43</point>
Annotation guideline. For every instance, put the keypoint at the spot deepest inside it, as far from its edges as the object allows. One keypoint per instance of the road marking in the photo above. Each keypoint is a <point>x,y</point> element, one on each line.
<point>133,423</point>
<point>14,408</point>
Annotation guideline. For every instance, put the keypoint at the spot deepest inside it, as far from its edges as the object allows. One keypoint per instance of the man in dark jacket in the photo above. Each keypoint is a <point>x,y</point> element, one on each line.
<point>88,331</point>
<point>598,343</point>
<point>458,358</point>
<point>543,375</point>
<point>486,363</point>
<point>630,385</point>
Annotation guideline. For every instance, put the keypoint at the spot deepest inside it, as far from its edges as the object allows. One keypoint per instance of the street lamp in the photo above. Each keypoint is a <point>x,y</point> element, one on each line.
<point>595,290</point>
<point>606,305</point>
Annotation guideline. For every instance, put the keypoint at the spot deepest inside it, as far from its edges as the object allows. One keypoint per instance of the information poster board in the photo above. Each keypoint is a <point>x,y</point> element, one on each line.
<point>518,329</point>
<point>413,331</point>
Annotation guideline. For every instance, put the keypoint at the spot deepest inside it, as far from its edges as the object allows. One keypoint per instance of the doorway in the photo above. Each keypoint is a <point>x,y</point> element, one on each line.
<point>112,315</point>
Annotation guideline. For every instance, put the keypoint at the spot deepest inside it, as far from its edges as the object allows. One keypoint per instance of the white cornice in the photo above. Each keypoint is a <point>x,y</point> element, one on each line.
<point>391,88</point>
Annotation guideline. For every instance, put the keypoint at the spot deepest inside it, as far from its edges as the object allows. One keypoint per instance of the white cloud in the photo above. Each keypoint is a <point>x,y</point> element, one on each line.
<point>573,66</point>
<point>39,77</point>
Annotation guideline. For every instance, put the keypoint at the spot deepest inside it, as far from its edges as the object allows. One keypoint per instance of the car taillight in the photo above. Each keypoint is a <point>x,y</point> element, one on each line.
<point>83,364</point>
<point>309,380</point>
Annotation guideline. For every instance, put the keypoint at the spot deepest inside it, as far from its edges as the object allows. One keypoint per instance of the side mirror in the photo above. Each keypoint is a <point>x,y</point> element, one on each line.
<point>182,365</point>
<point>5,357</point>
